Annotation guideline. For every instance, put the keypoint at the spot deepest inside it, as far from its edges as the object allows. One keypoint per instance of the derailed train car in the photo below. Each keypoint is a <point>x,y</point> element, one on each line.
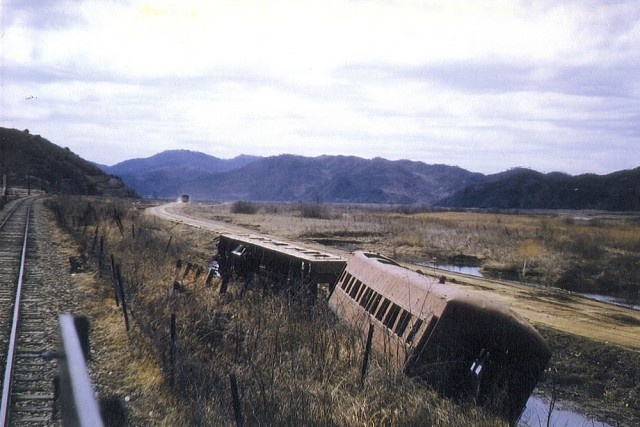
<point>464,346</point>
<point>285,265</point>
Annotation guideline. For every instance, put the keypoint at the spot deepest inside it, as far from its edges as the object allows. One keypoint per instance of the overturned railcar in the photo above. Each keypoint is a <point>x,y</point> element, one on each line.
<point>464,346</point>
<point>284,265</point>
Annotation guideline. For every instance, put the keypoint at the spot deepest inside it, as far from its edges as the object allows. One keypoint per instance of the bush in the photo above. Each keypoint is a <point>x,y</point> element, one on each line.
<point>244,207</point>
<point>314,210</point>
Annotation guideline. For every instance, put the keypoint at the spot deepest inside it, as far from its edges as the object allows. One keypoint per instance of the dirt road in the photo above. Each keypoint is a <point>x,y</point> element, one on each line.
<point>554,308</point>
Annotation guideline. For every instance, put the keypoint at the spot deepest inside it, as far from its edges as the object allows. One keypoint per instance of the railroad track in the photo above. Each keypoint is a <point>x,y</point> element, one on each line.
<point>28,322</point>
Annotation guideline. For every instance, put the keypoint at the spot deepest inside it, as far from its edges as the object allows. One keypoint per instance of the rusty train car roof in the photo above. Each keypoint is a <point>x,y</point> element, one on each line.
<point>419,294</point>
<point>288,249</point>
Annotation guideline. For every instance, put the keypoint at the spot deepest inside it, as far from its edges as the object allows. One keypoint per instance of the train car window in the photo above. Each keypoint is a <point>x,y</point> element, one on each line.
<point>366,296</point>
<point>392,315</point>
<point>341,279</point>
<point>405,318</point>
<point>354,289</point>
<point>361,291</point>
<point>478,364</point>
<point>414,331</point>
<point>383,309</point>
<point>239,251</point>
<point>350,280</point>
<point>373,303</point>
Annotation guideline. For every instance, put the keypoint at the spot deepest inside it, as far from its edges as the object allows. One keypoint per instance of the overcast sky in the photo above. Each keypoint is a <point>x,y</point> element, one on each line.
<point>485,85</point>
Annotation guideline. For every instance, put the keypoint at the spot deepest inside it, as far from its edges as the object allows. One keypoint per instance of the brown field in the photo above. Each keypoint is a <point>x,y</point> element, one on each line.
<point>579,251</point>
<point>287,379</point>
<point>544,245</point>
<point>601,340</point>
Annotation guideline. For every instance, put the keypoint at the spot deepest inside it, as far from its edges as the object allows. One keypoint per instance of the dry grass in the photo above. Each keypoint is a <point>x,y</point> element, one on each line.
<point>293,363</point>
<point>589,252</point>
<point>119,368</point>
<point>594,345</point>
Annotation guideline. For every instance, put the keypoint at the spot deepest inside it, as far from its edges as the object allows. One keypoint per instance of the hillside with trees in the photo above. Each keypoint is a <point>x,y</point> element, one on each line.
<point>32,162</point>
<point>528,189</point>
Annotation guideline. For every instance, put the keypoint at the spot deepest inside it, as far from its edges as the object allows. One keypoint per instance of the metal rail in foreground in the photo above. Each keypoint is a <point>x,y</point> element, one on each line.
<point>8,372</point>
<point>78,403</point>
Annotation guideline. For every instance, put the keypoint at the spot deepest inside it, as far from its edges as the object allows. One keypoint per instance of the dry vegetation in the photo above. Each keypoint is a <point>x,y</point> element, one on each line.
<point>292,363</point>
<point>600,376</point>
<point>583,252</point>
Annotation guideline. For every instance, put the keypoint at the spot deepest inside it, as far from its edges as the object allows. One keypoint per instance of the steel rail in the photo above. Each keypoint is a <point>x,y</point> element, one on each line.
<point>10,213</point>
<point>6,383</point>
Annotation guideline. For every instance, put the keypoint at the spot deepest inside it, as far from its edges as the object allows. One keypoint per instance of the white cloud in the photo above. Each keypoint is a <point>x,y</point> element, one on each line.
<point>456,82</point>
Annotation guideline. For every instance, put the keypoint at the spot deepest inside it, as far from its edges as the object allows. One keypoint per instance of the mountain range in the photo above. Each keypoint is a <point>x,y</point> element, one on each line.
<point>164,175</point>
<point>528,189</point>
<point>29,160</point>
<point>349,179</point>
<point>283,178</point>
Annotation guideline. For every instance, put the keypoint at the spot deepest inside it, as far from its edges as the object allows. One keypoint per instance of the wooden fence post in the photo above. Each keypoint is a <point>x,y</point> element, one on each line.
<point>172,353</point>
<point>235,396</point>
<point>94,241</point>
<point>367,351</point>
<point>122,298</point>
<point>114,280</point>
<point>168,244</point>
<point>101,255</point>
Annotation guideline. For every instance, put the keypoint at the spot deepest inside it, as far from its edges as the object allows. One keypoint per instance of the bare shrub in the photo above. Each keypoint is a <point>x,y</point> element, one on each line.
<point>314,210</point>
<point>244,207</point>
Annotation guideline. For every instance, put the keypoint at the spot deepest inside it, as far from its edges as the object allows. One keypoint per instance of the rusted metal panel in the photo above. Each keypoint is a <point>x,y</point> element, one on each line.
<point>285,265</point>
<point>290,249</point>
<point>465,346</point>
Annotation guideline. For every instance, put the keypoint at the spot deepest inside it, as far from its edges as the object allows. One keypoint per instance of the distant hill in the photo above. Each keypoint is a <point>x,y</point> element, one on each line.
<point>336,179</point>
<point>342,179</point>
<point>528,189</point>
<point>161,174</point>
<point>349,179</point>
<point>30,161</point>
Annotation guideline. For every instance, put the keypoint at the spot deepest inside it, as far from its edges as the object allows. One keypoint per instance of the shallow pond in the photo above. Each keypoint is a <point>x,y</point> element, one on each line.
<point>612,300</point>
<point>462,269</point>
<point>472,270</point>
<point>536,414</point>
